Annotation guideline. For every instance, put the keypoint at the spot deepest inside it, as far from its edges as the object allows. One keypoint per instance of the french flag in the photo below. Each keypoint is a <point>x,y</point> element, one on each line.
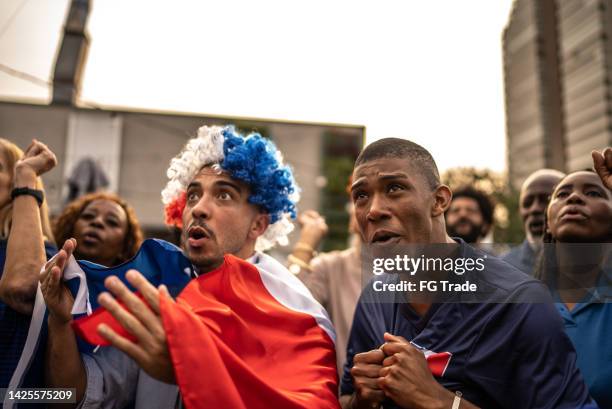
<point>249,337</point>
<point>436,361</point>
<point>246,335</point>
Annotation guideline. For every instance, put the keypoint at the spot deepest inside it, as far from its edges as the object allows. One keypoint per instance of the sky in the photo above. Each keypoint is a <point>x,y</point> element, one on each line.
<point>429,71</point>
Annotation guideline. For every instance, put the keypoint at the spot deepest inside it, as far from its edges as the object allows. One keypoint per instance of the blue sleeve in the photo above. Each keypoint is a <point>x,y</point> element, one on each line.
<point>50,249</point>
<point>366,334</point>
<point>14,328</point>
<point>524,359</point>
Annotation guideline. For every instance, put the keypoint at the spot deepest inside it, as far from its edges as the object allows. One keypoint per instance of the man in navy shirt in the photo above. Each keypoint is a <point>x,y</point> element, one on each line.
<point>510,352</point>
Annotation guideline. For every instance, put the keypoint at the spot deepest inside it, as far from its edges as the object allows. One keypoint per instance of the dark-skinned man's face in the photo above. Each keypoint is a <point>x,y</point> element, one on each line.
<point>464,219</point>
<point>532,205</point>
<point>392,202</point>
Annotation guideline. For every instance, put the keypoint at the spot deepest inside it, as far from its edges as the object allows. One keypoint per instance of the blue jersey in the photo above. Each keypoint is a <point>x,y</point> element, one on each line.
<point>502,354</point>
<point>13,333</point>
<point>159,262</point>
<point>589,326</point>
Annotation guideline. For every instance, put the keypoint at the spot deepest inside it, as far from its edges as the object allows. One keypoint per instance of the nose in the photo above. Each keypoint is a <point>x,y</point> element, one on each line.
<point>202,209</point>
<point>378,209</point>
<point>463,213</point>
<point>97,221</point>
<point>575,198</point>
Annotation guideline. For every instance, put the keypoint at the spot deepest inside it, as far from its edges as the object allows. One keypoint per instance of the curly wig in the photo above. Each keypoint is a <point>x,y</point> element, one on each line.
<point>64,225</point>
<point>252,159</point>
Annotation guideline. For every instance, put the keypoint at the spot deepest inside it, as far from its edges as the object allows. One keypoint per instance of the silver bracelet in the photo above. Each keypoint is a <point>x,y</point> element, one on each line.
<point>457,400</point>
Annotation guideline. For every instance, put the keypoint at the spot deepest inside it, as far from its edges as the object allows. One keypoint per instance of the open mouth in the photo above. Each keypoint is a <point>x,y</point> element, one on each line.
<point>91,237</point>
<point>536,225</point>
<point>197,235</point>
<point>384,237</point>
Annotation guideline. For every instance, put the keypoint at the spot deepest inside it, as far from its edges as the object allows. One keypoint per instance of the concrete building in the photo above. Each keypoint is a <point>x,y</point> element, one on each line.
<point>585,33</point>
<point>557,75</point>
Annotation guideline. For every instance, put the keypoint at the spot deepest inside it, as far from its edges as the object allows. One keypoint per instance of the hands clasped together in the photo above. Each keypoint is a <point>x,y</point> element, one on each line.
<point>398,371</point>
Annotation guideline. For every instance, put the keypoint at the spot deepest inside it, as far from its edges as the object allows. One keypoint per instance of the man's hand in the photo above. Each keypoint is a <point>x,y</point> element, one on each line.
<point>406,378</point>
<point>36,160</point>
<point>602,162</point>
<point>313,228</point>
<point>365,371</point>
<point>151,349</point>
<point>57,297</point>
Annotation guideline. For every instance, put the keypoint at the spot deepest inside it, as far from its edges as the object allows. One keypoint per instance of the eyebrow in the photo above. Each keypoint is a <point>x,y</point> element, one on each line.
<point>358,183</point>
<point>111,213</point>
<point>587,185</point>
<point>383,176</point>
<point>227,183</point>
<point>594,185</point>
<point>115,217</point>
<point>396,175</point>
<point>194,184</point>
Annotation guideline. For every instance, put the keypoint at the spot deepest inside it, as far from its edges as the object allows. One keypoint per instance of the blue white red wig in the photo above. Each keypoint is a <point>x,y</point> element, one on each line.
<point>251,159</point>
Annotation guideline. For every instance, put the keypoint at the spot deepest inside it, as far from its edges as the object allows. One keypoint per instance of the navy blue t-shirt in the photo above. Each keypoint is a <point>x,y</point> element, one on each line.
<point>504,354</point>
<point>522,257</point>
<point>13,334</point>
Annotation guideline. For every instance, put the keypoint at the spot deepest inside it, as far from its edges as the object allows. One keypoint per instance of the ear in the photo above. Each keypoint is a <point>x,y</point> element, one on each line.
<point>259,225</point>
<point>442,196</point>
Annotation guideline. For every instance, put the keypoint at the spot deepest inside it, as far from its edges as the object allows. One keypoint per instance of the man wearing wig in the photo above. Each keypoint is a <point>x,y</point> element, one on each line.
<point>243,333</point>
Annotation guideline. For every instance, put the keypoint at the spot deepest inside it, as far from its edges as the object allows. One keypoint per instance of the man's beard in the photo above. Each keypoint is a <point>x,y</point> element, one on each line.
<point>474,232</point>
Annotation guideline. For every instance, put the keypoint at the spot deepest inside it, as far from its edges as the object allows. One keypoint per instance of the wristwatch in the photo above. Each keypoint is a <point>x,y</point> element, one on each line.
<point>37,194</point>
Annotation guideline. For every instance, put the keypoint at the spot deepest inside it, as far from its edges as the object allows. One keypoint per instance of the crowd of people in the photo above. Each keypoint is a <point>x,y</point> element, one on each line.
<point>218,323</point>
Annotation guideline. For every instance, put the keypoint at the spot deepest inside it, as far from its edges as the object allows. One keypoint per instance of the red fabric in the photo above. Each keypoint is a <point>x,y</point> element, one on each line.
<point>87,327</point>
<point>438,362</point>
<point>233,345</point>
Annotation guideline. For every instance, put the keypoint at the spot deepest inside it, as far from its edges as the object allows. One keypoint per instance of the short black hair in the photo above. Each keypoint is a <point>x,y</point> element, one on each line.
<point>402,148</point>
<point>484,202</point>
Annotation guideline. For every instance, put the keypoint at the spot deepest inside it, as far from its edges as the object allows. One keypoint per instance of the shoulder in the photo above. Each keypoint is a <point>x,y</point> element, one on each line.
<point>505,281</point>
<point>270,265</point>
<point>514,253</point>
<point>288,290</point>
<point>526,318</point>
<point>273,273</point>
<point>375,307</point>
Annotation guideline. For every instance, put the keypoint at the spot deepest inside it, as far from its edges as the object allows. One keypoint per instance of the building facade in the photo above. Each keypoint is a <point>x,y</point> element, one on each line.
<point>558,84</point>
